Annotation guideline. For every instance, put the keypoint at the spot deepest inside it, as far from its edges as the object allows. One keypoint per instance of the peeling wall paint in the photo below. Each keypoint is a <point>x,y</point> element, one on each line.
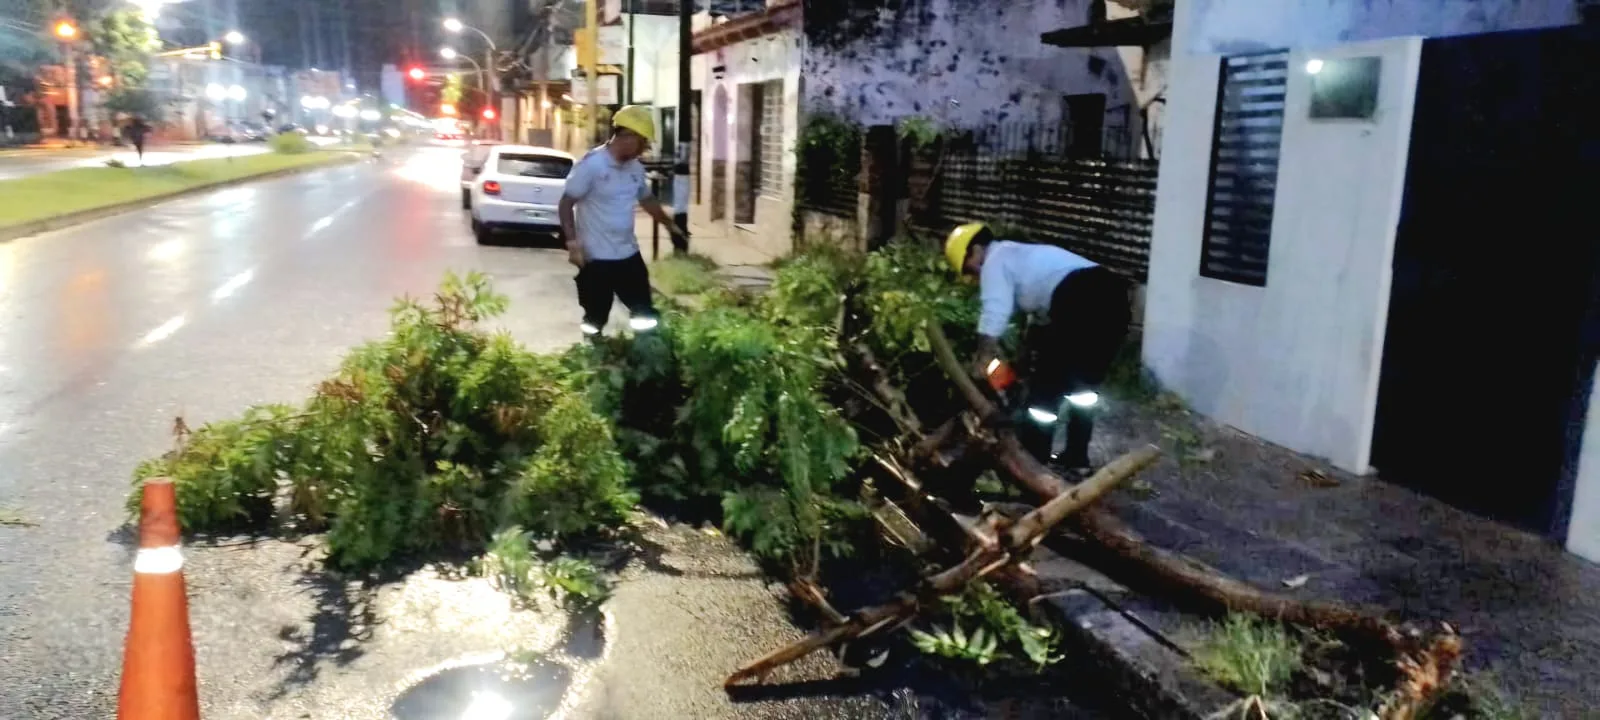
<point>1241,26</point>
<point>963,63</point>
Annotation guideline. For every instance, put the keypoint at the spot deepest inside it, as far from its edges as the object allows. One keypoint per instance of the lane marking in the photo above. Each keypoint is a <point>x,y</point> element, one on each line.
<point>233,284</point>
<point>163,331</point>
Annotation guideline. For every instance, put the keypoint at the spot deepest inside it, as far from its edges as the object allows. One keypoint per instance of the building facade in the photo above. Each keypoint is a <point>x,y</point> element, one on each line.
<point>1325,167</point>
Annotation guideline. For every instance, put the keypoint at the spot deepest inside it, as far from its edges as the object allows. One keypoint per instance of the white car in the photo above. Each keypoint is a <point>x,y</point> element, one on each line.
<point>519,189</point>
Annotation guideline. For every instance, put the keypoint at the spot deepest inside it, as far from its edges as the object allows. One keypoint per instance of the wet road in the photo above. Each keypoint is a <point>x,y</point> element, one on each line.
<point>22,163</point>
<point>199,307</point>
<point>202,306</point>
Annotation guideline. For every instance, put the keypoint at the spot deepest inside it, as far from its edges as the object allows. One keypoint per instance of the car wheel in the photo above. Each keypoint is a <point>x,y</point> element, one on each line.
<point>480,232</point>
<point>466,199</point>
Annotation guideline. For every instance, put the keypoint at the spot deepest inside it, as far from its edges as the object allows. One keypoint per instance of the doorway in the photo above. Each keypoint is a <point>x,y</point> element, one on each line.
<point>719,153</point>
<point>1494,326</point>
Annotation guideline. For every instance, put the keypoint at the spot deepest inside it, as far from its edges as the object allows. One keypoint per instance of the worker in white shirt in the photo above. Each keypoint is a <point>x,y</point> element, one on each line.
<point>597,219</point>
<point>1081,315</point>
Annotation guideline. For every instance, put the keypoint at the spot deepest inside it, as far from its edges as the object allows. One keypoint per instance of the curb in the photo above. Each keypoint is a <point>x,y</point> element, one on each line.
<point>1137,670</point>
<point>80,217</point>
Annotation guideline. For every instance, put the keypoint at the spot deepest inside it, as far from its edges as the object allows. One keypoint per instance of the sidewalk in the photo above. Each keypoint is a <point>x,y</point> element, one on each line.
<point>727,250</point>
<point>1530,612</point>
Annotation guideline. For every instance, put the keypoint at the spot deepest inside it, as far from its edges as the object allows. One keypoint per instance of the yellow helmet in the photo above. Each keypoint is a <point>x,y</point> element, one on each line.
<point>638,119</point>
<point>955,247</point>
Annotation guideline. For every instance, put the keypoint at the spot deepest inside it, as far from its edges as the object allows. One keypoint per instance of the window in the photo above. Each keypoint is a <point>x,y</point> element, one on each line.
<point>1244,168</point>
<point>771,140</point>
<point>535,166</point>
<point>1345,89</point>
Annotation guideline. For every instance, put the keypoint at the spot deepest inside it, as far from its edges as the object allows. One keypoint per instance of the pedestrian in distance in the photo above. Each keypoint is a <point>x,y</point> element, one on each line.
<point>597,221</point>
<point>138,130</point>
<point>1081,315</point>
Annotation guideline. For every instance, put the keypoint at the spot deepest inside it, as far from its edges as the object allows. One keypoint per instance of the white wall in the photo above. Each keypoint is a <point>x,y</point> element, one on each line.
<point>1295,362</point>
<point>1583,532</point>
<point>774,57</point>
<point>964,64</point>
<point>1235,26</point>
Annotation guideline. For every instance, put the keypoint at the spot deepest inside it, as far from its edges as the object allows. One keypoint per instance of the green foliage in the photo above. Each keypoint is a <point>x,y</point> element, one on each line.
<point>684,275</point>
<point>290,143</point>
<point>919,130</point>
<point>510,563</point>
<point>575,581</point>
<point>907,286</point>
<point>1249,655</point>
<point>126,39</point>
<point>428,438</point>
<point>809,290</point>
<point>980,648</point>
<point>1001,631</point>
<point>757,420</point>
<point>225,473</point>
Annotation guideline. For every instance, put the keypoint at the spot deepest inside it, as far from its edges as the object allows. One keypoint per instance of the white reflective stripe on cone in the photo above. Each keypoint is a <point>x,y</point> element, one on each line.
<point>158,561</point>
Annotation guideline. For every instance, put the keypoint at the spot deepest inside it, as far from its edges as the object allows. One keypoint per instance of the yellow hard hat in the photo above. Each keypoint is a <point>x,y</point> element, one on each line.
<point>955,247</point>
<point>638,119</point>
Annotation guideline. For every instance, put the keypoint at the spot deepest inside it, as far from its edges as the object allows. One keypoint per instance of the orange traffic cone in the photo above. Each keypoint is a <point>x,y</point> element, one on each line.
<point>158,662</point>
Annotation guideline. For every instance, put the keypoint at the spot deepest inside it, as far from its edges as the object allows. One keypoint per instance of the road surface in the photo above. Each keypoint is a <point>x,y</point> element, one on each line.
<point>22,163</point>
<point>202,306</point>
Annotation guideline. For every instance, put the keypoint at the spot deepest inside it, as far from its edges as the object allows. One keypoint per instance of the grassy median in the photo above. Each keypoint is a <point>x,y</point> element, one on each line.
<point>49,195</point>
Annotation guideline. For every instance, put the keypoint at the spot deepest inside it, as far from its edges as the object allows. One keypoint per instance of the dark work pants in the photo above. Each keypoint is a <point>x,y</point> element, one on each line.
<point>1088,321</point>
<point>600,280</point>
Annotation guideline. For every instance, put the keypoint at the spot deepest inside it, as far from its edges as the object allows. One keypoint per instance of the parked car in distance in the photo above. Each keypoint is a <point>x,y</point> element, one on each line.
<point>518,189</point>
<point>471,165</point>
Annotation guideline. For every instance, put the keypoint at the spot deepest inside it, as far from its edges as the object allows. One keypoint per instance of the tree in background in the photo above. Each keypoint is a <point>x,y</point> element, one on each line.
<point>126,39</point>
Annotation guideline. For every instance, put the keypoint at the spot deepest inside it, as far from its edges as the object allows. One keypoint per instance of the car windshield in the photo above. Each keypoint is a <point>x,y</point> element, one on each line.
<point>537,166</point>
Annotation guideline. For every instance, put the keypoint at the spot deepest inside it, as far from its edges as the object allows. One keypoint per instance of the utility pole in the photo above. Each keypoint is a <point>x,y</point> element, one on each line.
<point>544,69</point>
<point>686,129</point>
<point>591,30</point>
<point>627,98</point>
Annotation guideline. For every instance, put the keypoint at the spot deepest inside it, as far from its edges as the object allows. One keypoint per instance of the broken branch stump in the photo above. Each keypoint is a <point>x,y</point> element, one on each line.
<point>1019,538</point>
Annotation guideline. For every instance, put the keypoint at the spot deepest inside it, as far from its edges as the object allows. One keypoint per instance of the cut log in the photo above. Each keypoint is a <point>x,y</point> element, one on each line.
<point>1189,581</point>
<point>1020,537</point>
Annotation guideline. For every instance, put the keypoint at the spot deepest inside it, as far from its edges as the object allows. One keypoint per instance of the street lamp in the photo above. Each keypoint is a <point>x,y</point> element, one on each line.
<point>66,30</point>
<point>456,26</point>
<point>234,37</point>
<point>449,53</point>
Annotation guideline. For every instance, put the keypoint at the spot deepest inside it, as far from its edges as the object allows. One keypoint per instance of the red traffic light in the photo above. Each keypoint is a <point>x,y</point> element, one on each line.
<point>488,113</point>
<point>417,74</point>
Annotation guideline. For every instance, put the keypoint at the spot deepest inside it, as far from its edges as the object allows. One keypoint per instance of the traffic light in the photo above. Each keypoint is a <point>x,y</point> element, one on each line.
<point>215,50</point>
<point>417,74</point>
<point>488,113</point>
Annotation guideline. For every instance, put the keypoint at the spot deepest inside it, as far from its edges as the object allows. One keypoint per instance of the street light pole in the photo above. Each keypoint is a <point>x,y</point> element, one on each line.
<point>686,129</point>
<point>591,28</point>
<point>632,19</point>
<point>488,67</point>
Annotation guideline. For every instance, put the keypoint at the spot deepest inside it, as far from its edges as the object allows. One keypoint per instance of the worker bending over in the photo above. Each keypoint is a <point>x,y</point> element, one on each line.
<point>1080,312</point>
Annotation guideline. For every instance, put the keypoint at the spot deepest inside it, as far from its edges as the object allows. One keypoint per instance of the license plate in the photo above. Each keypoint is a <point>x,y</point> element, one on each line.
<point>535,214</point>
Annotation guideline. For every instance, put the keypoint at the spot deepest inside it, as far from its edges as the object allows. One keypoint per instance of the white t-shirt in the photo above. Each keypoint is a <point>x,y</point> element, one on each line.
<point>607,193</point>
<point>1021,276</point>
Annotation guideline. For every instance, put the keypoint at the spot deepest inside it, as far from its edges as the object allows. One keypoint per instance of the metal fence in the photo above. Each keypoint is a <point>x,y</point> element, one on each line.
<point>1028,180</point>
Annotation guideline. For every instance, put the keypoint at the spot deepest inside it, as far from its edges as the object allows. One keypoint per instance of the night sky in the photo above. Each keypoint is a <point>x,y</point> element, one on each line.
<point>330,34</point>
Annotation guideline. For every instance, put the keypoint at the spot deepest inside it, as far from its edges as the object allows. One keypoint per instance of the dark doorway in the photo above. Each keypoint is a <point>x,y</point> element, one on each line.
<point>1086,124</point>
<point>1492,333</point>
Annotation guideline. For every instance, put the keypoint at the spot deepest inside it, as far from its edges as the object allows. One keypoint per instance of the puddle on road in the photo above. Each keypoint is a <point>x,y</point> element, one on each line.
<point>493,691</point>
<point>521,686</point>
